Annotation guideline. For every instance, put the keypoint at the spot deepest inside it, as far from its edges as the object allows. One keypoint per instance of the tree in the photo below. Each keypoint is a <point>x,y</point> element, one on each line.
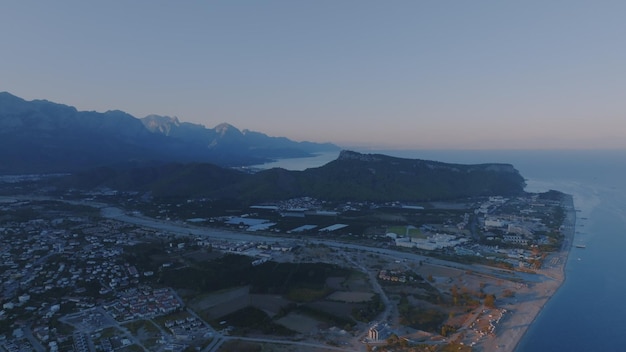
<point>455,294</point>
<point>508,293</point>
<point>393,339</point>
<point>490,300</point>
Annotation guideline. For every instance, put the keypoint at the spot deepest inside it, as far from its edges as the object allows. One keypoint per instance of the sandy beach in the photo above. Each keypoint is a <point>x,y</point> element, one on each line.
<point>525,306</point>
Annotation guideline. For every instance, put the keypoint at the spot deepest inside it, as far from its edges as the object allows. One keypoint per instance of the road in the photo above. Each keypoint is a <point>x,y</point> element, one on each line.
<point>288,342</point>
<point>184,229</point>
<point>386,313</point>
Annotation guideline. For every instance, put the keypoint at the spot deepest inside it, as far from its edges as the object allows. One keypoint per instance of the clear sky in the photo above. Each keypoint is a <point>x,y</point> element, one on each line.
<point>380,74</point>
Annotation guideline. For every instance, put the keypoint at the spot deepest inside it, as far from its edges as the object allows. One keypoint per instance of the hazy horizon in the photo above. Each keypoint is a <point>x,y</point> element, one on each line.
<point>411,75</point>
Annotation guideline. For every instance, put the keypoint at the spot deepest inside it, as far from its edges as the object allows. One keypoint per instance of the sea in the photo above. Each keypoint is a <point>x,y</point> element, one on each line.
<point>588,312</point>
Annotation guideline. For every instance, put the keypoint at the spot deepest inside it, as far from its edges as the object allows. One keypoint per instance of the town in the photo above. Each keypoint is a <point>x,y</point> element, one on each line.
<point>110,271</point>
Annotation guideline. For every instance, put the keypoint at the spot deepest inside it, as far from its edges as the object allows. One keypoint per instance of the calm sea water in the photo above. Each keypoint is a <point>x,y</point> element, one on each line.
<point>588,313</point>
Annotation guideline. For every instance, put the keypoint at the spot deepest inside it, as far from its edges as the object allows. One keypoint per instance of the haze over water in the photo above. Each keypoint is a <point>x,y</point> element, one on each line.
<point>587,313</point>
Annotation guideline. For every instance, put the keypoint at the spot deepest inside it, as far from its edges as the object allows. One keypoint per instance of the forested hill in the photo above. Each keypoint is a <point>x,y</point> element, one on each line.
<point>352,176</point>
<point>375,177</point>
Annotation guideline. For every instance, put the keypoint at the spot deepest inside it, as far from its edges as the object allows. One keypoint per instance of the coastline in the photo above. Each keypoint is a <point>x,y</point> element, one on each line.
<point>522,309</point>
<point>528,302</point>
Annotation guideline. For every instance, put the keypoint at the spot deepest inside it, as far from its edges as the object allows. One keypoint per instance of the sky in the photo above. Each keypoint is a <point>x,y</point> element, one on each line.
<point>370,74</point>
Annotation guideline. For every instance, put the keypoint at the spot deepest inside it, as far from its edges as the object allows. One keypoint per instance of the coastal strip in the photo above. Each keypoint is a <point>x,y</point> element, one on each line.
<point>530,298</point>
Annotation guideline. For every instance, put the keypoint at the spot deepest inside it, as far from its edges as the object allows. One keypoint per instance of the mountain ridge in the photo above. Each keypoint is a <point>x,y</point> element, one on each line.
<point>164,156</point>
<point>40,136</point>
<point>351,177</point>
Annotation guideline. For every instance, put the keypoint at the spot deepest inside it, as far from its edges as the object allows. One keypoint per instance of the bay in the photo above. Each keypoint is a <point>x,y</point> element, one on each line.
<point>299,164</point>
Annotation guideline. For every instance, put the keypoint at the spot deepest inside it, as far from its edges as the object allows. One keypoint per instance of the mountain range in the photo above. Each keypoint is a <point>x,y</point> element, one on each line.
<point>40,136</point>
<point>164,157</point>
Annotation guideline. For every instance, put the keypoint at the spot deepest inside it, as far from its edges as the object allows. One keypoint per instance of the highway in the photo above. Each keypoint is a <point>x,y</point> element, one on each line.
<point>185,229</point>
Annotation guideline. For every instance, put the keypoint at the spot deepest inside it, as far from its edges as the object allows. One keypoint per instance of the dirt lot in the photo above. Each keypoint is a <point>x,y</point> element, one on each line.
<point>438,271</point>
<point>221,303</point>
<point>350,296</point>
<point>300,323</point>
<point>245,346</point>
<point>338,309</point>
<point>270,304</point>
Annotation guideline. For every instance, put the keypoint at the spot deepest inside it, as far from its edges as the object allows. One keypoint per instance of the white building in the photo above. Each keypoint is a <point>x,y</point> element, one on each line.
<point>515,239</point>
<point>379,331</point>
<point>493,223</point>
<point>23,298</point>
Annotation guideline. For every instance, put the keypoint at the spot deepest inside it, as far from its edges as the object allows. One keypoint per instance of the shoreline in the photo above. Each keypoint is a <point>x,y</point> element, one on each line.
<point>529,302</point>
<point>522,309</point>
